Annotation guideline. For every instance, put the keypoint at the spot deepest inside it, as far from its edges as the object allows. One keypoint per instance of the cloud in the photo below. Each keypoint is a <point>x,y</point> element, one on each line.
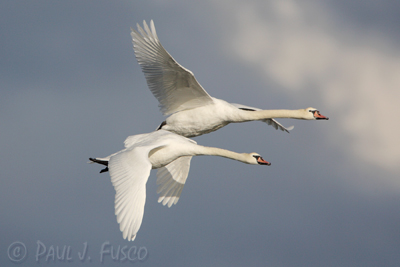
<point>308,51</point>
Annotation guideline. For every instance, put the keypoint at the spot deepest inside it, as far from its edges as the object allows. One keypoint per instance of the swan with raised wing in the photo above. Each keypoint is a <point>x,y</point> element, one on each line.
<point>168,152</point>
<point>192,110</point>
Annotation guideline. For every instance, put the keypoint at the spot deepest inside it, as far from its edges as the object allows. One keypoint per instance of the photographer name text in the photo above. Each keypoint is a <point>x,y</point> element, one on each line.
<point>17,252</point>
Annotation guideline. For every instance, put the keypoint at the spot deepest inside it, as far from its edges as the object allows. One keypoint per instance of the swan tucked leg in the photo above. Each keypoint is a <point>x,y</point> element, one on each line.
<point>102,162</point>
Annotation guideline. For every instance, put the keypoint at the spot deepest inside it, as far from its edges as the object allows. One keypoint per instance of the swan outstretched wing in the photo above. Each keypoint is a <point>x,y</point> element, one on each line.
<point>129,170</point>
<point>171,179</point>
<point>174,86</point>
<point>274,123</point>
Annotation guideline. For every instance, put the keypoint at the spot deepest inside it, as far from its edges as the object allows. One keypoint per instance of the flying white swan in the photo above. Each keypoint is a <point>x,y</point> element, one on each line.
<point>163,150</point>
<point>192,110</point>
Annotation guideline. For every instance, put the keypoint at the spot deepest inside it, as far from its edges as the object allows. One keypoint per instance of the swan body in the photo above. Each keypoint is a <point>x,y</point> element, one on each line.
<point>171,155</point>
<point>192,110</point>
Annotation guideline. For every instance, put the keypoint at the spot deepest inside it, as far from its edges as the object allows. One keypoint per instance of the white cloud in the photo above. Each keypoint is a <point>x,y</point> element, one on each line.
<point>307,50</point>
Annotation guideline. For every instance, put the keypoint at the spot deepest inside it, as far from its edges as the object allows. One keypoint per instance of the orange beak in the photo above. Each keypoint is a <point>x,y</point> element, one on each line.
<point>318,116</point>
<point>261,161</point>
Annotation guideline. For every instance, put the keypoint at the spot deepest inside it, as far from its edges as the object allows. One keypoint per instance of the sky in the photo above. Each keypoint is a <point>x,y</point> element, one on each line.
<point>71,89</point>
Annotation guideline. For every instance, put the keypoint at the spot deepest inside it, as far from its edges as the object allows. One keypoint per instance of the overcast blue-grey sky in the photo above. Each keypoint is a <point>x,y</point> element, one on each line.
<point>71,89</point>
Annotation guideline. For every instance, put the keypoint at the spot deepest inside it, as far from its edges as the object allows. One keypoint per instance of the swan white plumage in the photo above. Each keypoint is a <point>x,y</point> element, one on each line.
<point>192,110</point>
<point>163,150</point>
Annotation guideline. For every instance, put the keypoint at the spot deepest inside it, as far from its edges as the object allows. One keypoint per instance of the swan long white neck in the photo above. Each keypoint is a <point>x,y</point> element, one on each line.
<point>214,151</point>
<point>271,114</point>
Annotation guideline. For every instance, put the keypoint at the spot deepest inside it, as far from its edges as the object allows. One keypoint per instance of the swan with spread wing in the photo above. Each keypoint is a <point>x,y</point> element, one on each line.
<point>168,152</point>
<point>192,111</point>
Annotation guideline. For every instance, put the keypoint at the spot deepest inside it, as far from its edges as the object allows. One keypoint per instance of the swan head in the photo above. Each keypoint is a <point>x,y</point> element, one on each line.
<point>313,114</point>
<point>256,159</point>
